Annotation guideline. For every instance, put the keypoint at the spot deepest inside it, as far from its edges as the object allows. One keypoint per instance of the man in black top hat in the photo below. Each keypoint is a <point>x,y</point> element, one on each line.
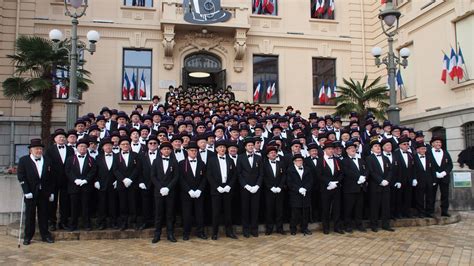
<point>58,153</point>
<point>36,180</point>
<point>442,165</point>
<point>425,175</point>
<point>249,169</point>
<point>81,171</point>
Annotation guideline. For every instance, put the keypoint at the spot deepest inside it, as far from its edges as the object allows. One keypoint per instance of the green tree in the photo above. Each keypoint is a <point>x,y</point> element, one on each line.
<point>36,64</point>
<point>362,98</point>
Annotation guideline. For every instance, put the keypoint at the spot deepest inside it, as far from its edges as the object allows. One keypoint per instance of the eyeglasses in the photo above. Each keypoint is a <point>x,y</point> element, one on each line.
<point>153,143</point>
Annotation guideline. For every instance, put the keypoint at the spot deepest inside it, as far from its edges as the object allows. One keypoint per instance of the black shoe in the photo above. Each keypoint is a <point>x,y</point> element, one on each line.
<point>48,239</point>
<point>115,226</point>
<point>52,227</point>
<point>390,229</point>
<point>421,215</point>
<point>281,232</point>
<point>339,231</point>
<point>143,227</point>
<point>88,228</point>
<point>185,237</point>
<point>326,231</point>
<point>307,232</point>
<point>429,215</point>
<point>361,229</point>
<point>349,230</point>
<point>63,226</point>
<point>26,242</point>
<point>171,238</point>
<point>374,229</point>
<point>202,236</point>
<point>214,237</point>
<point>293,232</point>
<point>123,227</point>
<point>230,235</point>
<point>445,214</point>
<point>72,228</point>
<point>268,232</point>
<point>246,235</point>
<point>255,234</point>
<point>155,239</point>
<point>101,227</point>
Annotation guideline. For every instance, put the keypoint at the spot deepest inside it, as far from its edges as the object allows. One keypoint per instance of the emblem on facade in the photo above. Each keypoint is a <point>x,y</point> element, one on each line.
<point>204,12</point>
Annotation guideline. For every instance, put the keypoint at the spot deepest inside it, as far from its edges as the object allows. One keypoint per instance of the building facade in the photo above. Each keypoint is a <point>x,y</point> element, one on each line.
<point>289,47</point>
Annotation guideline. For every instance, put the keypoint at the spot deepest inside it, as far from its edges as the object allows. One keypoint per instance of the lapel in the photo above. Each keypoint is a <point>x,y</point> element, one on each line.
<point>382,168</point>
<point>35,170</point>
<point>56,153</point>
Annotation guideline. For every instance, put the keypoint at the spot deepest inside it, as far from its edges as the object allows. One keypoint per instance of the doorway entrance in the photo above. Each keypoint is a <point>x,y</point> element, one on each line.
<point>203,70</point>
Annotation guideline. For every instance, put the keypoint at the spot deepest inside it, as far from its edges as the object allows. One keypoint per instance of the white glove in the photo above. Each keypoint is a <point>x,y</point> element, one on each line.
<point>256,187</point>
<point>227,189</point>
<point>434,184</point>
<point>220,189</point>
<point>302,191</point>
<point>197,193</point>
<point>164,191</point>
<point>330,187</point>
<point>361,180</point>
<point>273,189</point>
<point>249,188</point>
<point>397,185</point>
<point>83,182</point>
<point>384,183</point>
<point>444,173</point>
<point>142,186</point>
<point>28,195</point>
<point>278,190</point>
<point>78,182</point>
<point>191,193</point>
<point>333,183</point>
<point>51,198</point>
<point>127,182</point>
<point>414,182</point>
<point>115,184</point>
<point>97,185</point>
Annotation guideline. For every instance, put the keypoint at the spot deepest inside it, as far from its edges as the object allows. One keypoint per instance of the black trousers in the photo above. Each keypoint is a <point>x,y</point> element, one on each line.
<point>353,207</point>
<point>444,190</point>
<point>380,203</point>
<point>147,205</point>
<point>250,205</point>
<point>299,216</point>
<point>32,206</point>
<point>423,194</point>
<point>316,202</point>
<point>128,207</point>
<point>401,199</point>
<point>221,203</point>
<point>80,201</point>
<point>61,196</point>
<point>273,209</point>
<point>106,206</point>
<point>193,207</point>
<point>331,201</point>
<point>164,206</point>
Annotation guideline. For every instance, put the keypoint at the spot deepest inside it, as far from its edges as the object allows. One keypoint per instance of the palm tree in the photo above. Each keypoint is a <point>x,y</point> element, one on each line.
<point>36,64</point>
<point>362,98</point>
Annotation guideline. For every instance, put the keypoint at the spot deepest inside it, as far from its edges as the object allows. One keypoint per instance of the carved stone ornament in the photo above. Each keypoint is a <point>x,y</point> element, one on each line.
<point>168,45</point>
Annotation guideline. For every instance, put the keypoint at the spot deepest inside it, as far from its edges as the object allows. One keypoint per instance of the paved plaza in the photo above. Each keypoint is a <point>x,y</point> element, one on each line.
<point>438,244</point>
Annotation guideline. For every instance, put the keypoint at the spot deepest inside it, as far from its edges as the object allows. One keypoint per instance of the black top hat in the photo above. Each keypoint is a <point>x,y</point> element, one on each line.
<point>204,12</point>
<point>166,144</point>
<point>106,140</point>
<point>312,145</point>
<point>84,141</point>
<point>419,144</point>
<point>297,156</point>
<point>35,143</point>
<point>248,140</point>
<point>350,144</point>
<point>59,131</point>
<point>192,145</point>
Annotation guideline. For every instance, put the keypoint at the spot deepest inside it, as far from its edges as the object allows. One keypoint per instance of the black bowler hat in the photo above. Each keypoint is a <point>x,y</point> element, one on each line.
<point>192,145</point>
<point>35,143</point>
<point>59,131</point>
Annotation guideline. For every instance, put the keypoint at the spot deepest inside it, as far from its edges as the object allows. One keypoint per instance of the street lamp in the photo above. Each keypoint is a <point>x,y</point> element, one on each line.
<point>389,20</point>
<point>74,9</point>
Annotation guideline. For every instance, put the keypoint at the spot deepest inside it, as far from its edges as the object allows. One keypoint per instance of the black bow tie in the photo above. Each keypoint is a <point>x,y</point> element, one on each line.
<point>233,156</point>
<point>388,154</point>
<point>165,159</point>
<point>81,156</point>
<point>300,168</point>
<point>108,155</point>
<point>61,147</point>
<point>332,157</point>
<point>273,161</point>
<point>92,152</point>
<point>203,151</point>
<point>223,158</point>
<point>136,125</point>
<point>211,146</point>
<point>192,161</point>
<point>250,156</point>
<point>152,153</point>
<point>355,159</point>
<point>136,144</point>
<point>422,156</point>
<point>37,160</point>
<point>437,150</point>
<point>125,152</point>
<point>72,145</point>
<point>115,148</point>
<point>178,151</point>
<point>405,152</point>
<point>314,158</point>
<point>80,134</point>
<point>379,155</point>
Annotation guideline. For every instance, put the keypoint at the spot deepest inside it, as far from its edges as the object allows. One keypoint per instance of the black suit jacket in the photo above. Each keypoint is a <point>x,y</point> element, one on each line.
<point>209,155</point>
<point>105,177</point>
<point>73,172</point>
<point>446,165</point>
<point>214,176</point>
<point>249,175</point>
<point>424,176</point>
<point>57,166</point>
<point>401,172</point>
<point>295,182</point>
<point>144,169</point>
<point>123,171</point>
<point>376,175</point>
<point>189,181</point>
<point>161,179</point>
<point>271,180</point>
<point>29,179</point>
<point>352,174</point>
<point>325,174</point>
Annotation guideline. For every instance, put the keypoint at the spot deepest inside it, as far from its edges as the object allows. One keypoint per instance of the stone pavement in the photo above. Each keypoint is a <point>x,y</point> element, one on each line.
<point>437,244</point>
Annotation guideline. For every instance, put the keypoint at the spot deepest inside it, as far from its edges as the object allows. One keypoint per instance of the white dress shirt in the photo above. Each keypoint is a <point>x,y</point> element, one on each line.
<point>125,157</point>
<point>250,159</point>
<point>422,160</point>
<point>389,156</point>
<point>62,152</point>
<point>273,165</point>
<point>109,159</point>
<point>81,162</point>
<point>380,160</point>
<point>300,171</point>
<point>203,154</point>
<point>179,155</point>
<point>355,160</point>
<point>193,163</point>
<point>136,147</point>
<point>166,163</point>
<point>330,162</point>
<point>152,156</point>
<point>223,168</point>
<point>438,155</point>
<point>39,164</point>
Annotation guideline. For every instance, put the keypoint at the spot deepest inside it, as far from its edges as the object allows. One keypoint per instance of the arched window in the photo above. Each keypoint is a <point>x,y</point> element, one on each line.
<point>439,132</point>
<point>468,132</point>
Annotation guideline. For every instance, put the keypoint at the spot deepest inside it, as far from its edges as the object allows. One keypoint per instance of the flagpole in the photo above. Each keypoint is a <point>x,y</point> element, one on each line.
<point>464,69</point>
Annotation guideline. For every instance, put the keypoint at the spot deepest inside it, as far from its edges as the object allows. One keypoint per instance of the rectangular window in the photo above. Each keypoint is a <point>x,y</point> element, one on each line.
<point>322,9</point>
<point>464,43</point>
<point>144,3</point>
<point>265,7</point>
<point>136,80</point>
<point>324,81</point>
<point>265,79</point>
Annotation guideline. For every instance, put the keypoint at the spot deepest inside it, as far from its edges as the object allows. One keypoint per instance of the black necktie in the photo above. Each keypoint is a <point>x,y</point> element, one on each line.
<point>192,161</point>
<point>108,155</point>
<point>152,153</point>
<point>223,158</point>
<point>61,147</point>
<point>81,156</point>
<point>115,148</point>
<point>166,159</point>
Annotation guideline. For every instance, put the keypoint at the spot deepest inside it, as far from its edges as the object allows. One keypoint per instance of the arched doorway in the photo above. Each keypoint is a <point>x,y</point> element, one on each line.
<point>203,69</point>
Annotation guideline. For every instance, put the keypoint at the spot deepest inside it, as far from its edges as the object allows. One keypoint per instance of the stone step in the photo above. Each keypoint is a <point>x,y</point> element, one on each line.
<point>61,235</point>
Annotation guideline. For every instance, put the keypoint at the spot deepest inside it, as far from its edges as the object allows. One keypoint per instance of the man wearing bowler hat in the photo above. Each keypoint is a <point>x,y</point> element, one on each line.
<point>36,180</point>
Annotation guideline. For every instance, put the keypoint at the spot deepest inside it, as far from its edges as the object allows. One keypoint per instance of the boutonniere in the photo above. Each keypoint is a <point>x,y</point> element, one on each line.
<point>396,163</point>
<point>200,173</point>
<point>256,164</point>
<point>230,167</point>
<point>281,171</point>
<point>171,168</point>
<point>49,168</point>
<point>446,160</point>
